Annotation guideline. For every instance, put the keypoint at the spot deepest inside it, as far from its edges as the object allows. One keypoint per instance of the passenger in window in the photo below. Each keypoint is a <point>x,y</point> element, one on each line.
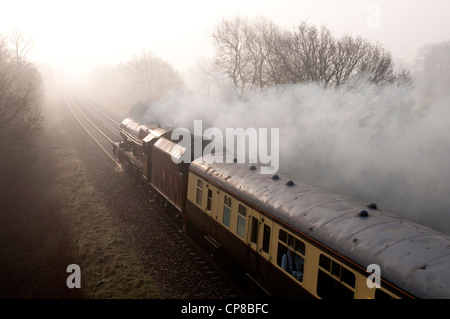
<point>293,264</point>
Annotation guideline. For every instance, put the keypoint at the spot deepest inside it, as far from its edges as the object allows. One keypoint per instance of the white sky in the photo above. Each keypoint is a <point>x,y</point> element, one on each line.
<point>79,34</point>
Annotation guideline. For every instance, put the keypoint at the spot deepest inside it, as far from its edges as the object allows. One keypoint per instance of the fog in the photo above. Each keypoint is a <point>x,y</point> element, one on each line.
<point>75,36</point>
<point>384,145</point>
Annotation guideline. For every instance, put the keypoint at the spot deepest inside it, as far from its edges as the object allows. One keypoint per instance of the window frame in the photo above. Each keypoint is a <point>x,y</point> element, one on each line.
<point>291,242</point>
<point>266,238</point>
<point>209,199</point>
<point>199,192</point>
<point>226,207</point>
<point>254,230</point>
<point>329,267</point>
<point>241,216</point>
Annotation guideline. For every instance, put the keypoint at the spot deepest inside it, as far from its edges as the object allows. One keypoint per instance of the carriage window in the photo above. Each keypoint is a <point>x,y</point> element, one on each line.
<point>227,200</point>
<point>226,211</point>
<point>291,242</point>
<point>335,280</point>
<point>291,255</point>
<point>335,269</point>
<point>266,239</point>
<point>241,220</point>
<point>198,198</point>
<point>282,236</point>
<point>254,234</point>
<point>242,210</point>
<point>208,204</point>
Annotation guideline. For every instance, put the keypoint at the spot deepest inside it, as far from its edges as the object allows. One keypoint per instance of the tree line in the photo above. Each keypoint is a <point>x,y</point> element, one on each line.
<point>433,71</point>
<point>144,77</point>
<point>21,92</point>
<point>257,54</point>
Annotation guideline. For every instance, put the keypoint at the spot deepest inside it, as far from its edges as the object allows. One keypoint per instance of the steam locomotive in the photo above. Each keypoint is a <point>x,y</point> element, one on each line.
<point>288,239</point>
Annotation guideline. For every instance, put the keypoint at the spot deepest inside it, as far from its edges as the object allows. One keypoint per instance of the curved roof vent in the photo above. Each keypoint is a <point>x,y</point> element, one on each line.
<point>290,183</point>
<point>363,213</point>
<point>372,206</point>
<point>275,177</point>
<point>253,167</point>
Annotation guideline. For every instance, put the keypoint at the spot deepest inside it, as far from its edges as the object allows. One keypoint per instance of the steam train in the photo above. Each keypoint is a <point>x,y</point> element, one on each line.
<point>288,239</point>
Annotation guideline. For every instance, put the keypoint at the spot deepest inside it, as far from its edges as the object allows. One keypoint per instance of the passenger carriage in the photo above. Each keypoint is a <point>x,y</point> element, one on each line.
<point>256,218</point>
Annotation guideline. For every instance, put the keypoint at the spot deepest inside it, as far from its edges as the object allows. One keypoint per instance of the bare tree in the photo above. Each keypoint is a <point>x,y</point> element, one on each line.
<point>21,45</point>
<point>246,52</point>
<point>151,77</point>
<point>314,55</point>
<point>259,36</point>
<point>228,39</point>
<point>20,98</point>
<point>349,56</point>
<point>307,54</point>
<point>433,64</point>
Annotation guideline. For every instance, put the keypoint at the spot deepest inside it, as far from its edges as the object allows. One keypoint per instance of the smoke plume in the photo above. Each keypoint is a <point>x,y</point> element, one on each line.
<point>371,143</point>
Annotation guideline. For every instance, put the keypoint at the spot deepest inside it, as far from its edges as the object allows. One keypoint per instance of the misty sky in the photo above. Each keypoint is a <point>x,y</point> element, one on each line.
<point>79,34</point>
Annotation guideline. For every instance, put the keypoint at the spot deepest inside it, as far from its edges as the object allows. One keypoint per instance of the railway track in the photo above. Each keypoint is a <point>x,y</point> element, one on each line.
<point>98,125</point>
<point>195,265</point>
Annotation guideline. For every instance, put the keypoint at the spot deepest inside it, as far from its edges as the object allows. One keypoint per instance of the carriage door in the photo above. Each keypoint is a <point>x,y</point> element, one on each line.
<point>259,245</point>
<point>211,209</point>
<point>253,243</point>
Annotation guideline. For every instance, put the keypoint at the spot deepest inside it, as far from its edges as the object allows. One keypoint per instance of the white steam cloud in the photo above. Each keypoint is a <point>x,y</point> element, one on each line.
<point>370,143</point>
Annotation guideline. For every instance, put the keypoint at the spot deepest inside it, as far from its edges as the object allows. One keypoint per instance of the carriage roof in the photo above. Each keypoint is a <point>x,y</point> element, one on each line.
<point>412,256</point>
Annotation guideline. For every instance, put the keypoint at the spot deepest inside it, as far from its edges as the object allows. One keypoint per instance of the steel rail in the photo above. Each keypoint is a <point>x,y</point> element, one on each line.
<point>87,131</point>
<point>84,115</point>
<point>91,106</point>
<point>100,111</point>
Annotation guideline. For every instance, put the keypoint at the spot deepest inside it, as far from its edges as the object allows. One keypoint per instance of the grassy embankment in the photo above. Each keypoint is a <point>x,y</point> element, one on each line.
<point>54,217</point>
